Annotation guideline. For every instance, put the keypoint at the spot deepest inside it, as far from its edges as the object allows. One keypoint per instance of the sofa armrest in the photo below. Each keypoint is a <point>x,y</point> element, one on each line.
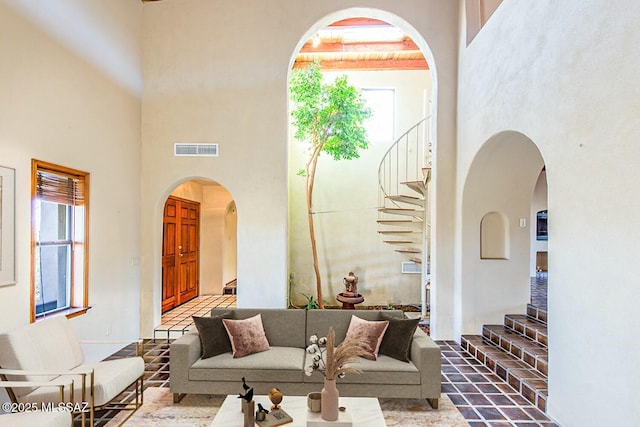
<point>426,355</point>
<point>184,352</point>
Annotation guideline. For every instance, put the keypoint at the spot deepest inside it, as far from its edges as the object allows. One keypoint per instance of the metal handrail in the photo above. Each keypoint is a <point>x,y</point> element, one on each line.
<point>404,160</point>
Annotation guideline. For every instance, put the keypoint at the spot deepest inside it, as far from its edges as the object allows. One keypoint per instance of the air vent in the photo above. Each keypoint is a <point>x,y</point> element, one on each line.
<point>411,268</point>
<point>195,150</point>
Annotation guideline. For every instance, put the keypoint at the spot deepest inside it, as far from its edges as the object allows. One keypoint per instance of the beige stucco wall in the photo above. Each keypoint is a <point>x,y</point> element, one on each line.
<point>564,75</point>
<point>62,106</point>
<point>217,72</point>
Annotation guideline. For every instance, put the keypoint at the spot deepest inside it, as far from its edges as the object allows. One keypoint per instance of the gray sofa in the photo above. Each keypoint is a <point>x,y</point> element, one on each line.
<point>283,364</point>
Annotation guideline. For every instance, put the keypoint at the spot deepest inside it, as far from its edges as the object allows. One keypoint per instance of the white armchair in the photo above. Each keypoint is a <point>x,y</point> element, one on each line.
<point>20,415</point>
<point>48,350</point>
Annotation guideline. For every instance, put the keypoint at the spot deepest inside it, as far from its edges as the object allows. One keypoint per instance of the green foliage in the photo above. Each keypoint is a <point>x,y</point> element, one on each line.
<point>311,303</point>
<point>329,116</point>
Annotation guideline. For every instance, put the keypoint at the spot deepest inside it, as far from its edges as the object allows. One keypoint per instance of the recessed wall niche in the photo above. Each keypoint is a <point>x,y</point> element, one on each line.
<point>494,236</point>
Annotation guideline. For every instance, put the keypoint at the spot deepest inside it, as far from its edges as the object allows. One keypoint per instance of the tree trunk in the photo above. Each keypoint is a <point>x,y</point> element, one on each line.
<point>311,173</point>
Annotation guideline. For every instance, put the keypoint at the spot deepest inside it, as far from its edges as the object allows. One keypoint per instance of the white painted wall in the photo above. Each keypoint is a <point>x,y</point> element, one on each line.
<point>60,106</point>
<point>564,75</point>
<point>218,72</point>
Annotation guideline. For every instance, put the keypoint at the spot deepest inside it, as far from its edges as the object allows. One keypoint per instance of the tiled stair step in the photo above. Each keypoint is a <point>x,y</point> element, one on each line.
<point>522,348</point>
<point>537,313</point>
<point>528,327</point>
<point>530,383</point>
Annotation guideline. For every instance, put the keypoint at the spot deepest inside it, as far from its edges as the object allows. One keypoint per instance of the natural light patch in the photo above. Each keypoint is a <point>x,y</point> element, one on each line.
<point>380,126</point>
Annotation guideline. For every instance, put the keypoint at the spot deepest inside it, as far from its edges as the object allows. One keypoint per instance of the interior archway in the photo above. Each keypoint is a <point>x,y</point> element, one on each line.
<point>217,235</point>
<point>501,178</point>
<point>346,211</point>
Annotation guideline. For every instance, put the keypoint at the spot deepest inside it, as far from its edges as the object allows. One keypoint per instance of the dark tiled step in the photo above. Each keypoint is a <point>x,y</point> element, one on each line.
<point>537,313</point>
<point>529,382</point>
<point>521,347</point>
<point>528,327</point>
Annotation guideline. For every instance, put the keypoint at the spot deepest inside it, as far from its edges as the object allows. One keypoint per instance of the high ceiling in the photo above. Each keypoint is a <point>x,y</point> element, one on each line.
<point>362,44</point>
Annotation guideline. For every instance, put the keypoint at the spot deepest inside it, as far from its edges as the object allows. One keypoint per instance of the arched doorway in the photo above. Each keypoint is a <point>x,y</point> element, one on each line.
<point>199,255</point>
<point>506,178</point>
<point>345,196</point>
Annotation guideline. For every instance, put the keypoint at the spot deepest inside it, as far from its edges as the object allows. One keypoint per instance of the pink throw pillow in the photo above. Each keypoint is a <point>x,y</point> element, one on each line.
<point>247,336</point>
<point>369,332</point>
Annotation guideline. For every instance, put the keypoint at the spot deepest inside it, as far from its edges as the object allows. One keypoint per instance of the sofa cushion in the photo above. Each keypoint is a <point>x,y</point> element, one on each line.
<point>213,335</point>
<point>319,321</point>
<point>397,339</point>
<point>369,332</point>
<point>247,336</point>
<point>273,320</point>
<point>385,370</point>
<point>278,364</point>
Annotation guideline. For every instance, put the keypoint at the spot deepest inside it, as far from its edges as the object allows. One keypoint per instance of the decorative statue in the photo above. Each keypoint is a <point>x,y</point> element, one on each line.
<point>351,283</point>
<point>248,395</point>
<point>275,396</point>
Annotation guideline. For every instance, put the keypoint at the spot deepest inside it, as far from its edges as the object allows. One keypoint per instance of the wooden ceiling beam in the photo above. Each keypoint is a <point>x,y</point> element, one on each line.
<point>369,65</point>
<point>360,22</point>
<point>361,47</point>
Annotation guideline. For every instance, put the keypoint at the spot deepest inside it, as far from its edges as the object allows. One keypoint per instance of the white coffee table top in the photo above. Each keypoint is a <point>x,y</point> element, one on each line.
<point>365,411</point>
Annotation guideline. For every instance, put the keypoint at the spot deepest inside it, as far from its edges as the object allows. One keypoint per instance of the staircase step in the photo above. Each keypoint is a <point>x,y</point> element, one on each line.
<point>528,327</point>
<point>409,251</point>
<point>521,347</point>
<point>412,200</point>
<point>407,224</point>
<point>416,213</point>
<point>416,260</point>
<point>537,313</point>
<point>530,383</point>
<point>400,242</point>
<point>397,232</point>
<point>417,186</point>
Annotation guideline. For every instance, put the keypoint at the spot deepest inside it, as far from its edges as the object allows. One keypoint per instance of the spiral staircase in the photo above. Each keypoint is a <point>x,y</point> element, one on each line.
<point>404,176</point>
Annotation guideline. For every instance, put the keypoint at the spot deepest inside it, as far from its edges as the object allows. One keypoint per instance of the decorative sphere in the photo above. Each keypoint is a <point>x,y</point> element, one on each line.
<point>275,396</point>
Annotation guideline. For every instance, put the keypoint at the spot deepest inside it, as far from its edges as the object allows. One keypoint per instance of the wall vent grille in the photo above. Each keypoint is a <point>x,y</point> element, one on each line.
<point>195,149</point>
<point>411,268</point>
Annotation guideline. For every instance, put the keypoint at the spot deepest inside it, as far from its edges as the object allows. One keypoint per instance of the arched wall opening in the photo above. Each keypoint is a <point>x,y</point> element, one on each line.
<point>345,195</point>
<point>502,178</point>
<point>217,235</point>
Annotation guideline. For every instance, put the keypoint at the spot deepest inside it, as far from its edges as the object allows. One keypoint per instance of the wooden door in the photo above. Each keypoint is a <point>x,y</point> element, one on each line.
<point>180,252</point>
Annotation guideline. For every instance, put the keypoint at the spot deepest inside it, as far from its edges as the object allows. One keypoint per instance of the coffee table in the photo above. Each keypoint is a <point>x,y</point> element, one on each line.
<point>365,411</point>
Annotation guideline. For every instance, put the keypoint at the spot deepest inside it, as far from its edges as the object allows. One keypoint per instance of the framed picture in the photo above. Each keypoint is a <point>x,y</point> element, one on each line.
<point>7,226</point>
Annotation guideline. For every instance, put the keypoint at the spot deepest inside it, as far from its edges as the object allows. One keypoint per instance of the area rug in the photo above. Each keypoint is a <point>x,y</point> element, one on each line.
<point>199,411</point>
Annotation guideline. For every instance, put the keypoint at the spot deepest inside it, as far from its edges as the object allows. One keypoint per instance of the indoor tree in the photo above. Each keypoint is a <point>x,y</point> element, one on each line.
<point>329,118</point>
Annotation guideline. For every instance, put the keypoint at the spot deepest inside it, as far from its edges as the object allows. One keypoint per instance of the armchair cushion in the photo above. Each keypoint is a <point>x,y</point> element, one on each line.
<point>37,418</point>
<point>47,345</point>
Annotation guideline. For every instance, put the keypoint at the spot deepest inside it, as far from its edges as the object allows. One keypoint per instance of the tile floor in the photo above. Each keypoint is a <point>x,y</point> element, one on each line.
<point>483,398</point>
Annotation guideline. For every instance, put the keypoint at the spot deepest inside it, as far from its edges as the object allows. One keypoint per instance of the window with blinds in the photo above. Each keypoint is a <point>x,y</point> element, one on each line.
<point>59,239</point>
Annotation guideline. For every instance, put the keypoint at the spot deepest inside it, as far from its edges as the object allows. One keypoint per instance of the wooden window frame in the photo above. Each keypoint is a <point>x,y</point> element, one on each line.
<point>79,304</point>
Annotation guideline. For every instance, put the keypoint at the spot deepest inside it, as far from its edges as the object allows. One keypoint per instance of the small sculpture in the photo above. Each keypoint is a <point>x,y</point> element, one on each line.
<point>275,396</point>
<point>351,284</point>
<point>248,395</point>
